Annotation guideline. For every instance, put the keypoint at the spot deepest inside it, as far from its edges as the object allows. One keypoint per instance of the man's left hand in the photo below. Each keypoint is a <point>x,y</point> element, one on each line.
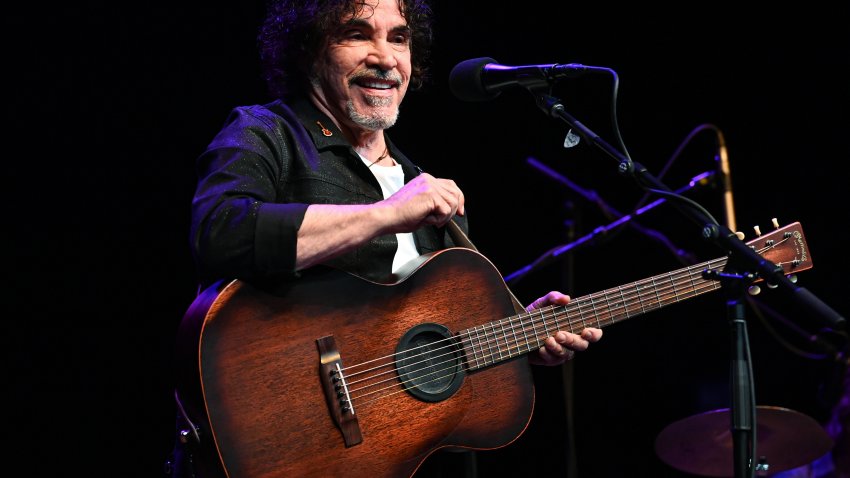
<point>562,345</point>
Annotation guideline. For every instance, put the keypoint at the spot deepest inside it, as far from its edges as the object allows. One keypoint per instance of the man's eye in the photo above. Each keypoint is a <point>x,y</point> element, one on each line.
<point>353,35</point>
<point>400,37</point>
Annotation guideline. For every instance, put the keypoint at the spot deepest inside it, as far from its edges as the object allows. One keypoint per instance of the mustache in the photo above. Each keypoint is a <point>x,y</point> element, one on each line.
<point>376,74</point>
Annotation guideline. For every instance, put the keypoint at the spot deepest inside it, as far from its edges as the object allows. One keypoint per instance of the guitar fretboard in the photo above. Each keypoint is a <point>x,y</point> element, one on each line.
<point>517,335</point>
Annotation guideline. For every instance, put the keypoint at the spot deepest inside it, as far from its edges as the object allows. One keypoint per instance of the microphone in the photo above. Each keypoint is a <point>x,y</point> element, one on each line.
<point>482,79</point>
<point>723,157</point>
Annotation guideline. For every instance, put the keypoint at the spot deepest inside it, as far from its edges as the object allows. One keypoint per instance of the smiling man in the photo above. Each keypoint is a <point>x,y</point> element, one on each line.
<point>312,178</point>
<point>366,71</point>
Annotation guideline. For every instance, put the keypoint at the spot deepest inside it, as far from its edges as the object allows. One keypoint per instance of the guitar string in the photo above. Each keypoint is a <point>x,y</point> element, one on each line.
<point>554,313</point>
<point>574,304</point>
<point>489,343</point>
<point>512,351</point>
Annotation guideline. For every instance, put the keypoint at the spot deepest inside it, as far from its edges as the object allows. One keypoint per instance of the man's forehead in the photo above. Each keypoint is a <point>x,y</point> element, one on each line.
<point>365,11</point>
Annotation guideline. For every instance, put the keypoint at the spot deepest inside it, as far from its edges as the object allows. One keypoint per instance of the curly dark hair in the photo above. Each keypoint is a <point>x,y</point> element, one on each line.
<point>294,31</point>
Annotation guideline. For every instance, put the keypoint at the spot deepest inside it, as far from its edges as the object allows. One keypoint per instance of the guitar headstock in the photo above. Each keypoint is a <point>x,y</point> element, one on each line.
<point>785,246</point>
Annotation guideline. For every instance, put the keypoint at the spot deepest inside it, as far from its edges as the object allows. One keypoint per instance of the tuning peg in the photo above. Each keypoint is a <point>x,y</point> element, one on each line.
<point>740,235</point>
<point>775,223</point>
<point>792,278</point>
<point>754,290</point>
<point>758,230</point>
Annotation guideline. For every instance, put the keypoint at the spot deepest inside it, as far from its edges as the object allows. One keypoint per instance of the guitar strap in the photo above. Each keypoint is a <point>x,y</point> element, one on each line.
<point>460,238</point>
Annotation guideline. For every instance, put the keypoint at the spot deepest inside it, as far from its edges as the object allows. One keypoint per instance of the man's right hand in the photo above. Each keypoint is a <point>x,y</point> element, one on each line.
<point>425,201</point>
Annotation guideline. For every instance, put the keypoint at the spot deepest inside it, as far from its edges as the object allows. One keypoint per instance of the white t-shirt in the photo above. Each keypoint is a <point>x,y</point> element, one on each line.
<point>391,179</point>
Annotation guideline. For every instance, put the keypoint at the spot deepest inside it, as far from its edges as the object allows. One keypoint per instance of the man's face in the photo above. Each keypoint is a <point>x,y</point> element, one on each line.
<point>364,72</point>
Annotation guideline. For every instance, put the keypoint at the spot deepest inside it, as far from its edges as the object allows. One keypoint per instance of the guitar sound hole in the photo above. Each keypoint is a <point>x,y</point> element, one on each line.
<point>428,362</point>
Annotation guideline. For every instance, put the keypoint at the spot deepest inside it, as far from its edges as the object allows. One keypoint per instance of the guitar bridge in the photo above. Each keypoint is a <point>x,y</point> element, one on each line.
<point>336,391</point>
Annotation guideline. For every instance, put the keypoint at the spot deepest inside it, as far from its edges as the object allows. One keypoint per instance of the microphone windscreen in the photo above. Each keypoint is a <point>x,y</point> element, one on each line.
<point>466,80</point>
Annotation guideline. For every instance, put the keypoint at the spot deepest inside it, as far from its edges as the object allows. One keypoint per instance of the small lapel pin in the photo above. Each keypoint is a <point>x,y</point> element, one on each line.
<point>325,131</point>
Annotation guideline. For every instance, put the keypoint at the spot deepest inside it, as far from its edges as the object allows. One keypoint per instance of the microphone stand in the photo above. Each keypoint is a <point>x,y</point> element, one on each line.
<point>743,267</point>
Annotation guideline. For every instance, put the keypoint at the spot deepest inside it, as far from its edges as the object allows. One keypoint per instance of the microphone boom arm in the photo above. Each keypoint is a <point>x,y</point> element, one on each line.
<point>711,229</point>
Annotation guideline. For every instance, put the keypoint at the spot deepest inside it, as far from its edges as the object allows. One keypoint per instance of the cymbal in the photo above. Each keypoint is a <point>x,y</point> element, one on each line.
<point>702,444</point>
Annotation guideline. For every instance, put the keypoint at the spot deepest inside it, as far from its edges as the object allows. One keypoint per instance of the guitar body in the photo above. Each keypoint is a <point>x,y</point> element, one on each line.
<point>257,385</point>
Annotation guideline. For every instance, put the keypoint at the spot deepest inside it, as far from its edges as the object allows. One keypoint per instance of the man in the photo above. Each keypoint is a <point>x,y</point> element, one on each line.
<point>312,178</point>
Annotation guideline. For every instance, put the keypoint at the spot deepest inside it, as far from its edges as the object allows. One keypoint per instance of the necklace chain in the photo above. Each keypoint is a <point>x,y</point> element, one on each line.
<point>381,157</point>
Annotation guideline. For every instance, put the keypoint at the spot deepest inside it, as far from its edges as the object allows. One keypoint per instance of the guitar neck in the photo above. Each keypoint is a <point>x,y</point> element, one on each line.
<point>514,336</point>
<point>517,335</point>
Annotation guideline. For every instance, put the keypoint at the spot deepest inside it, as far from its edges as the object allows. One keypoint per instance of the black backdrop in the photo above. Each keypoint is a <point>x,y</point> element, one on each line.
<point>107,107</point>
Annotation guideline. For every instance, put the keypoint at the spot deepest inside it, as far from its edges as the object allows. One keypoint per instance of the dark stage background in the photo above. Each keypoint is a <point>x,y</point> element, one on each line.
<point>108,105</point>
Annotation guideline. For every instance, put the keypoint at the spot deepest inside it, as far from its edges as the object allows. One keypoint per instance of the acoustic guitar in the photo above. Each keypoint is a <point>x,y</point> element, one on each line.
<point>334,375</point>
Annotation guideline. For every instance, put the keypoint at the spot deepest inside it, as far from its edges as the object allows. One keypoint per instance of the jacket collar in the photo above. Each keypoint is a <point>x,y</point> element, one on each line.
<point>319,126</point>
<point>325,134</point>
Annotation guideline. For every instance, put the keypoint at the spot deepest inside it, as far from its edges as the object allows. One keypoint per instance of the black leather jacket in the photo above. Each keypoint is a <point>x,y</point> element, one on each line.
<point>256,179</point>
